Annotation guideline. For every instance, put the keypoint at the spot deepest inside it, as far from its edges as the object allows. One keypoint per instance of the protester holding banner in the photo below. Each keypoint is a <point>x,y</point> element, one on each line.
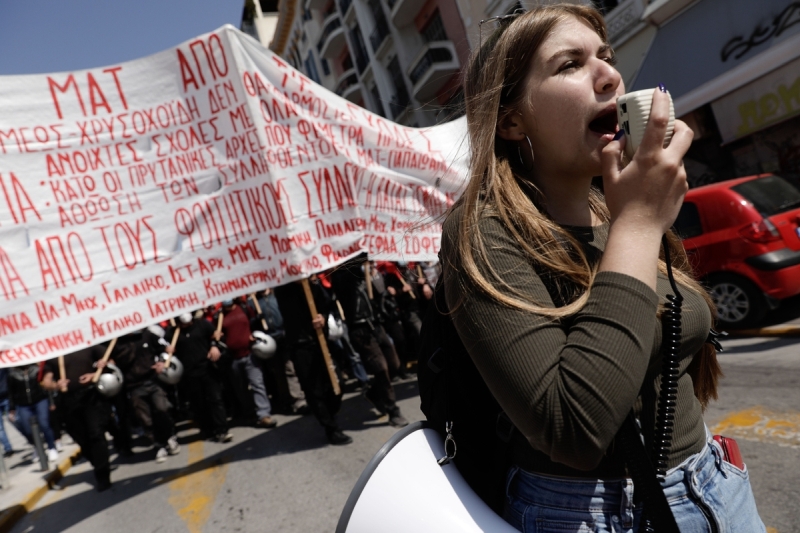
<point>246,373</point>
<point>309,363</point>
<point>279,371</point>
<point>366,335</point>
<point>86,411</point>
<point>138,360</point>
<point>197,350</point>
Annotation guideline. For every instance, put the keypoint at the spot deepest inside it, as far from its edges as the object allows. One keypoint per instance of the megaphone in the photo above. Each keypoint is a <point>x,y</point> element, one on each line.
<point>110,381</point>
<point>172,373</point>
<point>264,346</point>
<point>405,474</point>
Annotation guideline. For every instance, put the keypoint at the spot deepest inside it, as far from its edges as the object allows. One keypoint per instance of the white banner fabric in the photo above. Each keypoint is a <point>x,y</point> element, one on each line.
<point>132,193</point>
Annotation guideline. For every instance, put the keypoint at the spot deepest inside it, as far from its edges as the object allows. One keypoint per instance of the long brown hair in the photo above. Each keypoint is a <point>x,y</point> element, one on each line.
<point>494,84</point>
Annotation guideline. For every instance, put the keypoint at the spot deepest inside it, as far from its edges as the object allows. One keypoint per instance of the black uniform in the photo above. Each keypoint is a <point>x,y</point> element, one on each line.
<point>203,388</point>
<point>368,337</point>
<point>303,345</point>
<point>136,358</point>
<point>86,411</point>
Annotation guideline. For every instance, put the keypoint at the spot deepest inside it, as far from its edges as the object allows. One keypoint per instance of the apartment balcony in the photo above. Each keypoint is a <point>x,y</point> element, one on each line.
<point>332,41</point>
<point>348,86</point>
<point>347,10</point>
<point>624,19</point>
<point>404,11</point>
<point>380,38</point>
<point>431,70</point>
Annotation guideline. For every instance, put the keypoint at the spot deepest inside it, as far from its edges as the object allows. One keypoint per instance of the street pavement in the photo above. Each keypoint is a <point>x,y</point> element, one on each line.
<point>290,480</point>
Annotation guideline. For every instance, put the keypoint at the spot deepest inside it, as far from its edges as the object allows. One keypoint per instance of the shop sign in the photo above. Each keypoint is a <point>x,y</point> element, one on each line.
<point>766,101</point>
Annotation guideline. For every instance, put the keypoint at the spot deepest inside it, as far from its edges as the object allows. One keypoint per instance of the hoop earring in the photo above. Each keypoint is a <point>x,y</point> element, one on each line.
<point>519,153</point>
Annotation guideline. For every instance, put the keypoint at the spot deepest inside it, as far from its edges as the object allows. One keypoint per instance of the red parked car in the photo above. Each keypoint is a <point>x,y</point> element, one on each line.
<point>743,240</point>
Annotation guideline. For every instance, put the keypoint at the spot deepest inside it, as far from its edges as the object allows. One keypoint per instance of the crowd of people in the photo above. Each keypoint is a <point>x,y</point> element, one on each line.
<point>371,331</point>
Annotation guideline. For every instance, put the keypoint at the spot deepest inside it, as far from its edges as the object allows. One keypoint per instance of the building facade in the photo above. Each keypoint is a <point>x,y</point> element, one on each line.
<point>732,66</point>
<point>733,69</point>
<point>398,58</point>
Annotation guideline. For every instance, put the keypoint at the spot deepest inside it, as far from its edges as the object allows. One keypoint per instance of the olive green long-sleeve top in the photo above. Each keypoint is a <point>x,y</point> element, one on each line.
<point>568,384</point>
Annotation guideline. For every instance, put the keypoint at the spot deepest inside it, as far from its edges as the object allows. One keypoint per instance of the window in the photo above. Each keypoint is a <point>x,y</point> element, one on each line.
<point>434,30</point>
<point>401,99</point>
<point>311,68</point>
<point>605,6</point>
<point>770,195</point>
<point>359,49</point>
<point>376,100</point>
<point>687,225</point>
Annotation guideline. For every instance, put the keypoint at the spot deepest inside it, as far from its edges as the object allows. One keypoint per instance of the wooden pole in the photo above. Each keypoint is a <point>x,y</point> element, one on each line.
<point>368,278</point>
<point>62,372</point>
<point>419,271</point>
<point>175,335</point>
<point>258,310</point>
<point>341,311</point>
<point>104,359</point>
<point>312,307</point>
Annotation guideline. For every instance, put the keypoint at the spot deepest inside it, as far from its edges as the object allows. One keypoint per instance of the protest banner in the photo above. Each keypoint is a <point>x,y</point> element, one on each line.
<point>135,192</point>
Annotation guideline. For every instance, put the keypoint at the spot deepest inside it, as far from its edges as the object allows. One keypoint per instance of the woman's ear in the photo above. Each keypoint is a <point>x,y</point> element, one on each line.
<point>509,126</point>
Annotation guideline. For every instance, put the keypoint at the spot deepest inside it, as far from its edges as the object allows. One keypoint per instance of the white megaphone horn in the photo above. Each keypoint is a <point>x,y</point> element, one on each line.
<point>404,489</point>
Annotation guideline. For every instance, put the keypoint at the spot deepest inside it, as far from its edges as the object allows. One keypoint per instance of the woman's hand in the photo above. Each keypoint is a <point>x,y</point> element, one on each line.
<point>644,197</point>
<point>648,193</point>
<point>85,378</point>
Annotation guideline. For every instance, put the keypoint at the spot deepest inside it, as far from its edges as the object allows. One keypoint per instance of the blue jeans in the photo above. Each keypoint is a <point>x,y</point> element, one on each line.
<point>3,437</point>
<point>40,410</point>
<point>701,488</point>
<point>247,369</point>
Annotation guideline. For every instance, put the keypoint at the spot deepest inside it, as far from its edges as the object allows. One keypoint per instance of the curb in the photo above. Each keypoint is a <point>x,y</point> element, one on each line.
<point>772,331</point>
<point>10,516</point>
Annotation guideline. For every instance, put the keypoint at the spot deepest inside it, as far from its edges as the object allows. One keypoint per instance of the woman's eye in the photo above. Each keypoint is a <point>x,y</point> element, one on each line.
<point>611,60</point>
<point>569,65</point>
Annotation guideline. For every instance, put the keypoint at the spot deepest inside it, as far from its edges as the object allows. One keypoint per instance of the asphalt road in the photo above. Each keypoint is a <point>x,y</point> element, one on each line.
<point>289,480</point>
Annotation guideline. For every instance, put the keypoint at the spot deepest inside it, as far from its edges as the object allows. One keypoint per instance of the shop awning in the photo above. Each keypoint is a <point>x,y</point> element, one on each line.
<point>733,41</point>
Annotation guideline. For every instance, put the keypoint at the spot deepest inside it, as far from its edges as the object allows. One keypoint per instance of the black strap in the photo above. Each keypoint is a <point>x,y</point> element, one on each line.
<point>657,515</point>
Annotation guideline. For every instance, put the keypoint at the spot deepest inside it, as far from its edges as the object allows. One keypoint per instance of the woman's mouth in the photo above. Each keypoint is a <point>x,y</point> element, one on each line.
<point>605,122</point>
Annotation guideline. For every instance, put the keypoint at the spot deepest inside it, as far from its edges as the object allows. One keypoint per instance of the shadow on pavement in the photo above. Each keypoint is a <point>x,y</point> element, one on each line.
<point>300,434</point>
<point>787,311</point>
<point>766,344</point>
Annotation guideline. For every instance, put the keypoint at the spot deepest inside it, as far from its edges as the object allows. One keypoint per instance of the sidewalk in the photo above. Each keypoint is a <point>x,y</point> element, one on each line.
<point>26,484</point>
<point>787,329</point>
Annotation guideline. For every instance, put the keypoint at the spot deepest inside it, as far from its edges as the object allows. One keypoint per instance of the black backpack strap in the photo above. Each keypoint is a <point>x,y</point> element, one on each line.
<point>657,515</point>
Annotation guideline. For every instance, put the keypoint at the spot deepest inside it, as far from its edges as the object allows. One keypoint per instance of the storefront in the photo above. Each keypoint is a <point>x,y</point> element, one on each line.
<point>733,69</point>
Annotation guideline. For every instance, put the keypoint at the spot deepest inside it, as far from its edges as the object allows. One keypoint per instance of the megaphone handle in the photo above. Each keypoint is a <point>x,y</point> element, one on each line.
<point>312,307</point>
<point>104,359</point>
<point>172,344</point>
<point>62,372</point>
<point>258,310</point>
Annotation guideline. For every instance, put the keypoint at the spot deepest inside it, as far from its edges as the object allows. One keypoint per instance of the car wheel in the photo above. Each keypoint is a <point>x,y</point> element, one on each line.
<point>739,302</point>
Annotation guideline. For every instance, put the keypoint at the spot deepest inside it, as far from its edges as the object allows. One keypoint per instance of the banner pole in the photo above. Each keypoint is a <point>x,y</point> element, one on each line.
<point>312,307</point>
<point>62,372</point>
<point>368,279</point>
<point>104,359</point>
<point>258,310</point>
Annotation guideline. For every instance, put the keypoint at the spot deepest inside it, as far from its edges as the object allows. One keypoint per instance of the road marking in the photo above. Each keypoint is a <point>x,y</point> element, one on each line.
<point>772,530</point>
<point>762,425</point>
<point>194,489</point>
